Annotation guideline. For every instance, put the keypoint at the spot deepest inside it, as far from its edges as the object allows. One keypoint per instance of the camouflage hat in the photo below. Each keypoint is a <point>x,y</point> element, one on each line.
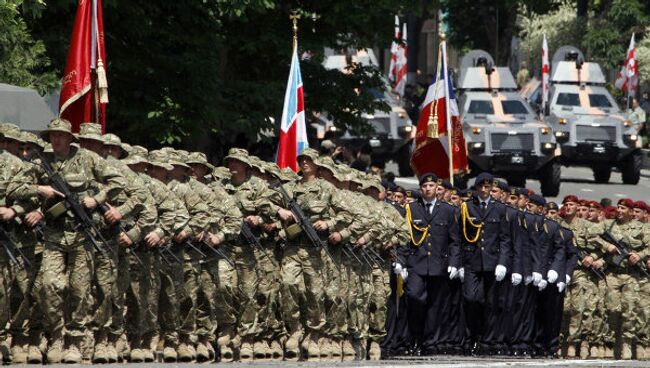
<point>257,163</point>
<point>273,169</point>
<point>4,126</point>
<point>90,131</point>
<point>135,159</point>
<point>238,154</point>
<point>198,158</point>
<point>311,153</point>
<point>139,150</point>
<point>159,158</point>
<point>28,137</point>
<point>344,172</point>
<point>177,158</point>
<point>13,132</point>
<point>57,125</point>
<point>221,173</point>
<point>357,177</point>
<point>127,148</point>
<point>373,181</point>
<point>47,148</point>
<point>113,140</point>
<point>287,174</point>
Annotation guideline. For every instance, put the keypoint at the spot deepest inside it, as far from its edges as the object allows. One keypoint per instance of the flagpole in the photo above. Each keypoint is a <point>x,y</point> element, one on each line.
<point>450,131</point>
<point>294,18</point>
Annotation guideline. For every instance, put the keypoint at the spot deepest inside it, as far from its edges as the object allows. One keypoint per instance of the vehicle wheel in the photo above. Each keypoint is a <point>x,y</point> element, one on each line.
<point>631,168</point>
<point>550,179</point>
<point>404,162</point>
<point>517,181</point>
<point>602,174</point>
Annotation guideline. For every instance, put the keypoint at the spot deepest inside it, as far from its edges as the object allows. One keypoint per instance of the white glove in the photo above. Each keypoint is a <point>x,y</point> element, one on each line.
<point>500,272</point>
<point>528,280</point>
<point>461,274</point>
<point>551,276</point>
<point>453,272</point>
<point>516,279</point>
<point>560,286</point>
<point>542,285</point>
<point>405,274</point>
<point>398,268</point>
<point>537,278</point>
<point>568,279</point>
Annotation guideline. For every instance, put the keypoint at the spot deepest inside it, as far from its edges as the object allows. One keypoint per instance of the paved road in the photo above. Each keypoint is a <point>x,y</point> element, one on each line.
<point>579,181</point>
<point>433,362</point>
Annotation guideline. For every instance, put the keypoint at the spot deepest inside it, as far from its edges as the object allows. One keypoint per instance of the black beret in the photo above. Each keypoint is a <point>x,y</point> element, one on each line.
<point>552,206</point>
<point>447,185</point>
<point>522,191</point>
<point>502,185</point>
<point>538,200</point>
<point>484,177</point>
<point>398,189</point>
<point>428,177</point>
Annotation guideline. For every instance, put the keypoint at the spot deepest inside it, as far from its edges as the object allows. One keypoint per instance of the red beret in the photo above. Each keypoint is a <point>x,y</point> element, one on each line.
<point>610,212</point>
<point>626,202</point>
<point>594,204</point>
<point>584,202</point>
<point>641,204</point>
<point>570,198</point>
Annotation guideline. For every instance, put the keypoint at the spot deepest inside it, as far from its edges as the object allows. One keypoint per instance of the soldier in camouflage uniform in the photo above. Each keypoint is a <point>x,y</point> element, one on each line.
<point>10,211</point>
<point>222,232</point>
<point>253,197</point>
<point>172,219</point>
<point>623,299</point>
<point>582,309</point>
<point>67,251</point>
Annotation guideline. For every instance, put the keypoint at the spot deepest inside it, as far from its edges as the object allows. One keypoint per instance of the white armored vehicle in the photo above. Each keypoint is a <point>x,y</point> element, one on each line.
<point>587,122</point>
<point>503,134</point>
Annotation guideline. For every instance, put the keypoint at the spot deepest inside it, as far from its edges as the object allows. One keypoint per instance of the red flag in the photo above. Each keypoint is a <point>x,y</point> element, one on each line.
<point>546,72</point>
<point>433,154</point>
<point>78,103</point>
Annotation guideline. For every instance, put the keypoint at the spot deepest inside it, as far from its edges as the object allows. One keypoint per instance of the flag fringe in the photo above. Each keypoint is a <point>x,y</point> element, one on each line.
<point>102,82</point>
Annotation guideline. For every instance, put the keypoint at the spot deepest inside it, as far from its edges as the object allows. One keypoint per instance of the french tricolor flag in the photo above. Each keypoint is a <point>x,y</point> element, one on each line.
<point>293,132</point>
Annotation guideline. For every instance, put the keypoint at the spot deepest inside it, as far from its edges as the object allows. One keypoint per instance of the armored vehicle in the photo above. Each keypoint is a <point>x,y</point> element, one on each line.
<point>504,136</point>
<point>587,122</point>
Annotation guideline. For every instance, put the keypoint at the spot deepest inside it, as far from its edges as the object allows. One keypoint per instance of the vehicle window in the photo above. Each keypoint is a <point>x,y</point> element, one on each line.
<point>480,107</point>
<point>513,107</point>
<point>599,101</point>
<point>568,99</point>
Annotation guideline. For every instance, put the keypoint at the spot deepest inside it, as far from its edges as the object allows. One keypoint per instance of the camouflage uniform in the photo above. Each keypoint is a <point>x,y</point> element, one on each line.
<point>584,302</point>
<point>67,252</point>
<point>623,298</point>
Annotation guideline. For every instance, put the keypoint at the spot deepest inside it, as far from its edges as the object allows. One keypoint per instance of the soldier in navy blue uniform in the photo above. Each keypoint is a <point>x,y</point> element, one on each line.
<point>552,256</point>
<point>486,255</point>
<point>432,260</point>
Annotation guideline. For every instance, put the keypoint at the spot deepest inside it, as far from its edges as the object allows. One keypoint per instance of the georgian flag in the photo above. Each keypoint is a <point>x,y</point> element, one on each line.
<point>392,69</point>
<point>401,64</point>
<point>545,72</point>
<point>293,132</point>
<point>628,78</point>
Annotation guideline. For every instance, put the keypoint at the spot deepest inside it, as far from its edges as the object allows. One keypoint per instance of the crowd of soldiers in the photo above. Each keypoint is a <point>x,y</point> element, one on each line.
<point>500,271</point>
<point>112,252</point>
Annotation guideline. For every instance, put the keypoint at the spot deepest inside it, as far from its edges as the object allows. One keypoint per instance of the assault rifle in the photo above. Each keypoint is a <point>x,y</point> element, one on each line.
<point>84,223</point>
<point>624,252</point>
<point>119,229</point>
<point>303,221</point>
<point>10,248</point>
<point>207,245</point>
<point>250,238</point>
<point>600,273</point>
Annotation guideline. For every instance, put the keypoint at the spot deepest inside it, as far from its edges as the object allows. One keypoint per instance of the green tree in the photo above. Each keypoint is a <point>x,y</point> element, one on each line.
<point>200,74</point>
<point>23,61</point>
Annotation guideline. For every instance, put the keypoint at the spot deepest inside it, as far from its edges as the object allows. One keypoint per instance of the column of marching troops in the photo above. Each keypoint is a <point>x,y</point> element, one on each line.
<point>114,253</point>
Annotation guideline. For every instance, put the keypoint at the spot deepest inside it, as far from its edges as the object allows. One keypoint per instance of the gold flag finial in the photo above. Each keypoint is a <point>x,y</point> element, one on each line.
<point>294,18</point>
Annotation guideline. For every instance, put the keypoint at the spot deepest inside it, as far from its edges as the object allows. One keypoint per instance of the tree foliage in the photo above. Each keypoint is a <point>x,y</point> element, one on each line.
<point>23,60</point>
<point>198,72</point>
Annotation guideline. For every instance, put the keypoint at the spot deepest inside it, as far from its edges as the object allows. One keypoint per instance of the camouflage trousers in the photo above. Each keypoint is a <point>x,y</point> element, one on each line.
<point>206,312</point>
<point>66,283</point>
<point>171,292</point>
<point>188,295</point>
<point>5,307</point>
<point>360,290</point>
<point>258,278</point>
<point>25,312</point>
<point>141,295</point>
<point>644,308</point>
<point>622,304</point>
<point>336,290</point>
<point>378,302</point>
<point>104,290</point>
<point>227,300</point>
<point>302,289</point>
<point>584,308</point>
